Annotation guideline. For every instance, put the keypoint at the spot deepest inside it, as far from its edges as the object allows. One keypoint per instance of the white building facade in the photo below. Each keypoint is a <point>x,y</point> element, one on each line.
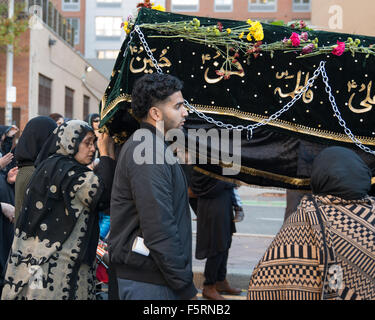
<point>104,35</point>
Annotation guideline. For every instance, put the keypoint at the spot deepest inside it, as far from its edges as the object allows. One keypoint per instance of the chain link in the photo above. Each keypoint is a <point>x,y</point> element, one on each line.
<point>341,121</point>
<point>250,128</point>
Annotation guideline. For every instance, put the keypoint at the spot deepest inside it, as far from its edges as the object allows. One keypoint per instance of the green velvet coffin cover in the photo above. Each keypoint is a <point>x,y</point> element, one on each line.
<point>279,154</point>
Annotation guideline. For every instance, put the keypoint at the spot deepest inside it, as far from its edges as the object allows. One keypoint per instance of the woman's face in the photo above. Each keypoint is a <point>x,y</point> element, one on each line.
<point>86,149</point>
<point>95,123</point>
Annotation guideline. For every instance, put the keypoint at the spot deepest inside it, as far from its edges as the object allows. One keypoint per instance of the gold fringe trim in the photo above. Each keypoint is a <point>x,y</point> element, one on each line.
<point>282,124</point>
<point>268,175</point>
<point>107,109</point>
<point>232,180</point>
<point>252,117</point>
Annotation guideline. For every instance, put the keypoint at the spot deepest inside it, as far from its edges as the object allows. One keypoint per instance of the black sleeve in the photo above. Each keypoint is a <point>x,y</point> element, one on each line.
<point>105,171</point>
<point>153,194</point>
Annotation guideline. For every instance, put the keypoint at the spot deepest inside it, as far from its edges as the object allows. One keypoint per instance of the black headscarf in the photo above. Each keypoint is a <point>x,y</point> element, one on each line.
<point>340,172</point>
<point>54,145</point>
<point>33,137</point>
<point>6,144</point>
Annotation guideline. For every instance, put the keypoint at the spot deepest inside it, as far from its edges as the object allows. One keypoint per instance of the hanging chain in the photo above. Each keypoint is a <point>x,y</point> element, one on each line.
<point>339,118</point>
<point>320,70</point>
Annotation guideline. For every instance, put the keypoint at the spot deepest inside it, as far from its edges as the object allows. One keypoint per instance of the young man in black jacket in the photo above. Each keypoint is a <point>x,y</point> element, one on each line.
<point>150,242</point>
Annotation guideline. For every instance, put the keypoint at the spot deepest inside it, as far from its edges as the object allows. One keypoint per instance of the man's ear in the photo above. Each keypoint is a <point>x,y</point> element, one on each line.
<point>155,114</point>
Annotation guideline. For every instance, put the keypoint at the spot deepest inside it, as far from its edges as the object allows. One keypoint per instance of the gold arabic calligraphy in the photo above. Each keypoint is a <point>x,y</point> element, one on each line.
<point>307,97</point>
<point>222,73</point>
<point>146,65</point>
<point>367,103</point>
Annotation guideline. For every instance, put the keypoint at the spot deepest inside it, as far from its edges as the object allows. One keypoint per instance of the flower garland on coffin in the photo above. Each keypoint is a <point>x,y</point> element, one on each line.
<point>246,38</point>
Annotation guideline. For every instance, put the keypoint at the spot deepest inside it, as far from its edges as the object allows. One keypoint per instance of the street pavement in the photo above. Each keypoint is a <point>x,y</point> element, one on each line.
<point>264,215</point>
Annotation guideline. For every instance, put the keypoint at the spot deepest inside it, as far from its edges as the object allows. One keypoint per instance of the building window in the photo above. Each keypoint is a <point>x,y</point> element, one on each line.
<point>69,95</point>
<point>223,5</point>
<point>108,26</point>
<point>74,22</point>
<point>107,54</point>
<point>185,5</point>
<point>262,5</point>
<point>108,3</point>
<point>44,96</point>
<point>301,5</point>
<point>71,5</point>
<point>86,106</point>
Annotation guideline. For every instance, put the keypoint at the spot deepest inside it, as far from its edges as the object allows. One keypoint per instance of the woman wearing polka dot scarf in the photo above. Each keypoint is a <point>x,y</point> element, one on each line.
<point>53,252</point>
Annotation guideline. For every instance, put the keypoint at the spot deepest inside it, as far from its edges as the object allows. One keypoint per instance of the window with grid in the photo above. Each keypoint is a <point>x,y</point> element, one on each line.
<point>69,95</point>
<point>86,106</point>
<point>44,95</point>
<point>108,26</point>
<point>262,5</point>
<point>74,22</point>
<point>185,5</point>
<point>71,5</point>
<point>301,5</point>
<point>223,5</point>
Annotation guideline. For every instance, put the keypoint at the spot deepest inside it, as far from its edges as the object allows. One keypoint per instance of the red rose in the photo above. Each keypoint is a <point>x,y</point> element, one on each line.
<point>295,39</point>
<point>339,49</point>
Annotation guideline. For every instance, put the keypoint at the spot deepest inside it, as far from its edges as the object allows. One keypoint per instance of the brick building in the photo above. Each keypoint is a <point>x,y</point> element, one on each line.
<point>49,74</point>
<point>266,10</point>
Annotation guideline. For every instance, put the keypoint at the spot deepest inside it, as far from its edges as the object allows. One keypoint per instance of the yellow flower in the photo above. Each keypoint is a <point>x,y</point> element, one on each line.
<point>249,21</point>
<point>229,30</point>
<point>258,35</point>
<point>241,35</point>
<point>256,30</point>
<point>255,26</point>
<point>158,7</point>
<point>248,37</point>
<point>126,27</point>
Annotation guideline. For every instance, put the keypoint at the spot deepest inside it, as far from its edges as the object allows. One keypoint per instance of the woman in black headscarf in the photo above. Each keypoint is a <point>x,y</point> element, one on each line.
<point>53,252</point>
<point>324,250</point>
<point>8,174</point>
<point>35,134</point>
<point>7,134</point>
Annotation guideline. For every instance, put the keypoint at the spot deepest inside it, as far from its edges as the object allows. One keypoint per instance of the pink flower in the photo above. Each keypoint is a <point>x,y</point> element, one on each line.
<point>308,49</point>
<point>304,36</point>
<point>338,49</point>
<point>295,39</point>
<point>220,26</point>
<point>302,24</point>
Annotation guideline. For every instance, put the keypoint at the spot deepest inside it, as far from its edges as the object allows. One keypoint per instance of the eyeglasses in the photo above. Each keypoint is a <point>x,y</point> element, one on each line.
<point>89,144</point>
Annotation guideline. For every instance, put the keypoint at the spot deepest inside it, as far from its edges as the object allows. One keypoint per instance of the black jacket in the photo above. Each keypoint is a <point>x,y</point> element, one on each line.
<point>151,200</point>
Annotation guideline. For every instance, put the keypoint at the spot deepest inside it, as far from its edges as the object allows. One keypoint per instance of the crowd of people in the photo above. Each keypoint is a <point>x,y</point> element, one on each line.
<point>63,187</point>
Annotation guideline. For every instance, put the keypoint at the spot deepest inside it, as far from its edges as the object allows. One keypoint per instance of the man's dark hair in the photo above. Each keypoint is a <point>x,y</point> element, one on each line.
<point>55,116</point>
<point>151,89</point>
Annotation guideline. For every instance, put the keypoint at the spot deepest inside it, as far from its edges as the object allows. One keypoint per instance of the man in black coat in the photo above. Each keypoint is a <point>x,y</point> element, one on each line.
<point>215,227</point>
<point>150,242</point>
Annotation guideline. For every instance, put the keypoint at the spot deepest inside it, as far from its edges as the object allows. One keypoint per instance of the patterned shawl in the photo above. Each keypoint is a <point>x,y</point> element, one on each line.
<point>57,225</point>
<point>303,262</point>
